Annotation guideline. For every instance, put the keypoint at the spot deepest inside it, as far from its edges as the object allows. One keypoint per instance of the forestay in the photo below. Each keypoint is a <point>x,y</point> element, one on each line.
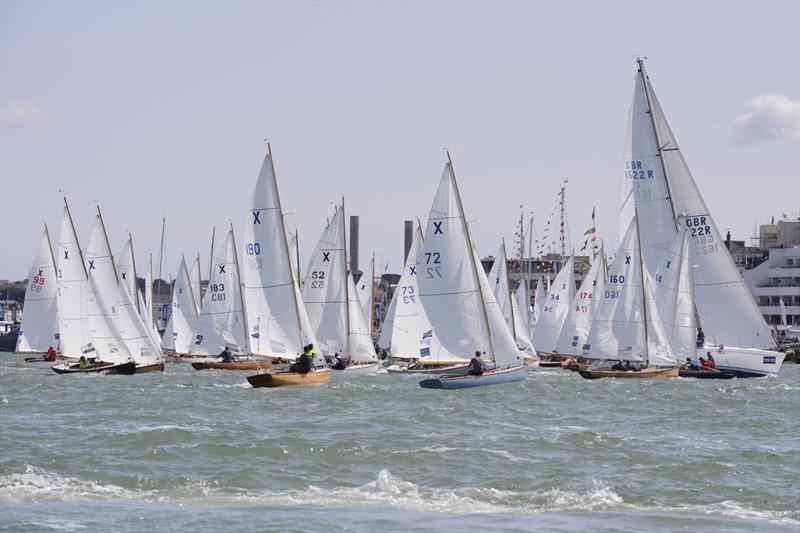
<point>406,321</point>
<point>576,327</point>
<point>276,316</point>
<point>555,308</point>
<point>39,330</point>
<point>221,320</point>
<point>456,294</point>
<point>663,189</point>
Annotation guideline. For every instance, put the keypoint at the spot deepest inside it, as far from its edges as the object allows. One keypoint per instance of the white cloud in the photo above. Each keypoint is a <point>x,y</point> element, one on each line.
<point>766,118</point>
<point>20,112</point>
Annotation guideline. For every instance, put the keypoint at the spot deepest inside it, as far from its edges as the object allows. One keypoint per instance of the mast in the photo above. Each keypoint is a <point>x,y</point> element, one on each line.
<point>75,234</point>
<point>510,295</point>
<point>471,255</point>
<point>211,257</point>
<point>371,316</point>
<point>346,281</point>
<point>297,255</point>
<point>241,292</point>
<point>160,260</point>
<point>199,280</point>
<point>661,148</point>
<point>135,279</point>
<point>644,288</point>
<point>50,245</point>
<point>295,282</point>
<point>191,291</point>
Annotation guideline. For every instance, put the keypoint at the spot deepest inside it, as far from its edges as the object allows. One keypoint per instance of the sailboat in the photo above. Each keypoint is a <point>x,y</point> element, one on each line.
<point>458,298</point>
<point>126,271</point>
<point>85,323</point>
<point>576,326</point>
<point>39,330</point>
<point>658,182</point>
<point>334,310</point>
<point>221,323</point>
<point>280,327</point>
<point>508,304</point>
<point>627,324</point>
<point>554,310</point>
<point>179,333</point>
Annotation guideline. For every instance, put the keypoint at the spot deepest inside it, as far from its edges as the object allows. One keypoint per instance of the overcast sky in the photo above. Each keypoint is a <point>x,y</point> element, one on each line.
<point>154,108</point>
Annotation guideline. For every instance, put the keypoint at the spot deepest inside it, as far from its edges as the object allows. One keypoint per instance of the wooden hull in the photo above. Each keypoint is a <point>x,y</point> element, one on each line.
<point>284,379</point>
<point>239,365</point>
<point>705,374</point>
<point>97,368</point>
<point>405,369</point>
<point>641,374</point>
<point>490,377</point>
<point>155,367</point>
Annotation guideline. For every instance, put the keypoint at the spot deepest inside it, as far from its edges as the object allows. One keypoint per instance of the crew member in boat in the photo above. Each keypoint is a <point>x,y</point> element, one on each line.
<point>618,366</point>
<point>50,354</point>
<point>337,363</point>
<point>476,366</point>
<point>701,337</point>
<point>84,363</point>
<point>303,364</point>
<point>226,356</point>
<point>705,364</point>
<point>630,365</point>
<point>691,364</point>
<point>710,359</point>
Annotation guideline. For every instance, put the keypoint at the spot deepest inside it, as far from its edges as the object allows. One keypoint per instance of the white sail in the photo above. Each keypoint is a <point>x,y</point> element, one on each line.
<point>129,328</point>
<point>524,318</point>
<point>498,275</point>
<point>126,268</point>
<point>221,320</point>
<point>74,335</point>
<point>100,298</point>
<point>275,310</point>
<point>554,309</point>
<point>406,321</point>
<point>39,330</point>
<point>627,324</point>
<point>194,277</point>
<point>337,326</point>
<point>539,297</point>
<point>675,295</point>
<point>149,312</point>
<point>364,289</point>
<point>179,333</point>
<point>455,291</point>
<point>576,327</point>
<point>726,310</point>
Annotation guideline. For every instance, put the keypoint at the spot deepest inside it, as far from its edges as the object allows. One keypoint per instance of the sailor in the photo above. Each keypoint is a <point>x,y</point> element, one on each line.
<point>476,365</point>
<point>710,359</point>
<point>692,364</point>
<point>226,356</point>
<point>701,337</point>
<point>51,354</point>
<point>303,364</point>
<point>337,363</point>
<point>83,363</point>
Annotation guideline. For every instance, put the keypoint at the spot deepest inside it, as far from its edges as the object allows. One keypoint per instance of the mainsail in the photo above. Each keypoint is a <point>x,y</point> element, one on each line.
<point>554,309</point>
<point>39,330</point>
<point>221,320</point>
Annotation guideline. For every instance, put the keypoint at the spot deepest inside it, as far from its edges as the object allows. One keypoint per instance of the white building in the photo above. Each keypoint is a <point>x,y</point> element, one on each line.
<point>777,278</point>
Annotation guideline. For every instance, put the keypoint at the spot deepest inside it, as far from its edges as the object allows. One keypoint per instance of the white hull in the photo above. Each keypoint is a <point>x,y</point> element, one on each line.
<point>368,369</point>
<point>745,362</point>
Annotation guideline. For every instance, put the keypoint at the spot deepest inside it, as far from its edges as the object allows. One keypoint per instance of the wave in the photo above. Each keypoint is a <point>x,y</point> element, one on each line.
<point>37,485</point>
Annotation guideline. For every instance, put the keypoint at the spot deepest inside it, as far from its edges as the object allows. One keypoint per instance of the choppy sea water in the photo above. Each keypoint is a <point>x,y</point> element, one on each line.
<point>193,451</point>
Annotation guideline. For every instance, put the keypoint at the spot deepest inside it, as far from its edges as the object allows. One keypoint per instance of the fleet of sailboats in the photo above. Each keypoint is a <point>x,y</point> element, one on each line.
<point>671,277</point>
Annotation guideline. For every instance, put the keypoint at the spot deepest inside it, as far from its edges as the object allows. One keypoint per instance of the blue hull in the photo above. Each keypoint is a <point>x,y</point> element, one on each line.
<point>518,373</point>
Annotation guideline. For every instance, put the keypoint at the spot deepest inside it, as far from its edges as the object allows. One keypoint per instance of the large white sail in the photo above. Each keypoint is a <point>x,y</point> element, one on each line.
<point>129,328</point>
<point>539,296</point>
<point>406,321</point>
<point>663,189</point>
<point>579,319</point>
<point>627,324</point>
<point>126,269</point>
<point>331,302</point>
<point>455,291</point>
<point>275,310</point>
<point>74,335</point>
<point>498,276</point>
<point>675,295</point>
<point>179,333</point>
<point>194,277</point>
<point>39,330</point>
<point>221,320</point>
<point>554,309</point>
<point>524,318</point>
